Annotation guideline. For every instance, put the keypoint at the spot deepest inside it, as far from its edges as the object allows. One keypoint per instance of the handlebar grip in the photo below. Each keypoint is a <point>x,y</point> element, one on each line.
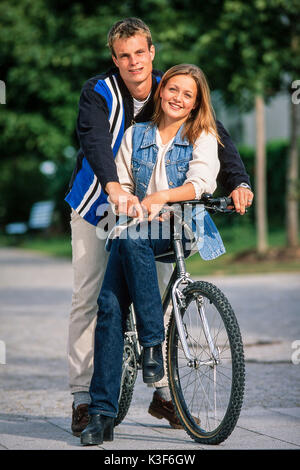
<point>212,204</point>
<point>229,201</point>
<point>216,202</point>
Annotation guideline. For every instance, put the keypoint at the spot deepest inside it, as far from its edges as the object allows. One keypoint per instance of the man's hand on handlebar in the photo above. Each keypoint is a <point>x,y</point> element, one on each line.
<point>242,199</point>
<point>125,203</point>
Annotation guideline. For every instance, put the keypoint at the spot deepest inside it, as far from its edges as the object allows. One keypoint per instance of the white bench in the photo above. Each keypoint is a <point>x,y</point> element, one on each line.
<point>40,218</point>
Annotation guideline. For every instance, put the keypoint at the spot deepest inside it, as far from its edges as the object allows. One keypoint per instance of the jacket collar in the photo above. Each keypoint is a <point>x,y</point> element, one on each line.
<point>150,137</point>
<point>156,77</point>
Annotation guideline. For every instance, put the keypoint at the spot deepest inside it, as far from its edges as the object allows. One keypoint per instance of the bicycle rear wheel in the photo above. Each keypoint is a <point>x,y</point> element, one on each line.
<point>208,391</point>
<point>129,375</point>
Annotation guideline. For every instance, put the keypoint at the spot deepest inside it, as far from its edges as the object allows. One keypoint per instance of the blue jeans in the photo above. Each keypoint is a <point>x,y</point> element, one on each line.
<point>130,277</point>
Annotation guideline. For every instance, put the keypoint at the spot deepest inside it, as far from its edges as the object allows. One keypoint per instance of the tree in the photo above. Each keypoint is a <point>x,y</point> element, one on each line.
<point>49,48</point>
<point>247,55</point>
<point>292,177</point>
<point>260,176</point>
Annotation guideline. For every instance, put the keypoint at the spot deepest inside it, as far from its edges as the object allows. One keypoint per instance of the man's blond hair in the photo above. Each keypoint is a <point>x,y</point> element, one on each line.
<point>127,28</point>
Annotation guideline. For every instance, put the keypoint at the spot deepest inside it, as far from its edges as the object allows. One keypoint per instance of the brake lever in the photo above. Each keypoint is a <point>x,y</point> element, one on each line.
<point>221,207</point>
<point>214,209</point>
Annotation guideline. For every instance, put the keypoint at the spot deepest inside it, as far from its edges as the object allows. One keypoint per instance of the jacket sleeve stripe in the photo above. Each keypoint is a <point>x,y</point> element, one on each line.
<point>83,176</point>
<point>116,116</point>
<point>103,90</point>
<point>88,196</point>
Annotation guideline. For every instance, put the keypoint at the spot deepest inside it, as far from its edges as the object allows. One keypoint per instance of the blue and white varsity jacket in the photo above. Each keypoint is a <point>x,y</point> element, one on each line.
<point>105,112</point>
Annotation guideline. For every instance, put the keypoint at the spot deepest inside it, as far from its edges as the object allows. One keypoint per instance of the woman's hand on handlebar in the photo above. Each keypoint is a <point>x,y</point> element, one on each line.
<point>154,203</point>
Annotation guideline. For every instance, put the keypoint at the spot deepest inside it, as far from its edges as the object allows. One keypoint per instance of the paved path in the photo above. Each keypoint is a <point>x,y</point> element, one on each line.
<point>35,404</point>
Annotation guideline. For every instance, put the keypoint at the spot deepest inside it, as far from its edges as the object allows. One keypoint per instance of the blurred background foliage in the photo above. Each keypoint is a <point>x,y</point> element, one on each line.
<point>49,48</point>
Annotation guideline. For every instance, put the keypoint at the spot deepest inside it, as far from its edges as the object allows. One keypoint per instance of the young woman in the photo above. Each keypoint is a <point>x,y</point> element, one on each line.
<point>173,158</point>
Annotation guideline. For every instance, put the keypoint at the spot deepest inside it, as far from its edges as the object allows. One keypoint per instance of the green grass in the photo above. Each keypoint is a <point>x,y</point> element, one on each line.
<point>226,265</point>
<point>59,246</point>
<point>237,240</point>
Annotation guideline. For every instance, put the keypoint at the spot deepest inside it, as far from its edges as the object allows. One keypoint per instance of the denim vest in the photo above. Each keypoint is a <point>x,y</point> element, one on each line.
<point>144,155</point>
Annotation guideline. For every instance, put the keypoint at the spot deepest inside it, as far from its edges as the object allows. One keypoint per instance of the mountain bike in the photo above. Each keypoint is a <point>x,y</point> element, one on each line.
<point>205,358</point>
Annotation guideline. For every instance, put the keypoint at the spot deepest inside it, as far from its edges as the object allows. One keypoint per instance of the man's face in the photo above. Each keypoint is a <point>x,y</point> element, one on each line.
<point>134,59</point>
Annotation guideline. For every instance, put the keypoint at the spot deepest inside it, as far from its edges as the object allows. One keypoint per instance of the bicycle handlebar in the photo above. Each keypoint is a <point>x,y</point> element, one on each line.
<point>212,204</point>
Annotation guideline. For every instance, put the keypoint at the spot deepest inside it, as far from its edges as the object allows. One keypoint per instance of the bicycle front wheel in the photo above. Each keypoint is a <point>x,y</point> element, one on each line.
<point>208,391</point>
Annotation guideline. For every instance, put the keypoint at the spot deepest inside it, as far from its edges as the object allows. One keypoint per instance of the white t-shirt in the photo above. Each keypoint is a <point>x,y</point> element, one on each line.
<point>137,104</point>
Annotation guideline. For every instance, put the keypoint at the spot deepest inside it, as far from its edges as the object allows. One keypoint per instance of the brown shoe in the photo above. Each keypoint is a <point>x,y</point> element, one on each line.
<point>80,419</point>
<point>160,408</point>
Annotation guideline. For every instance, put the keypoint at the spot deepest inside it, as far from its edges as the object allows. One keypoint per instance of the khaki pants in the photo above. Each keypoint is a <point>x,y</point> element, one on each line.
<point>89,260</point>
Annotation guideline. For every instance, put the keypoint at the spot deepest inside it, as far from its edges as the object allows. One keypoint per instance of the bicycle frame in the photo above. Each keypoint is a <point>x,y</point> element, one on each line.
<point>181,277</point>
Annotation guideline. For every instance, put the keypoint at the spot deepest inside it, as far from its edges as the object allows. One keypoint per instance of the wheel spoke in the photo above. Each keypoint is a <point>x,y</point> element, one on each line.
<point>201,391</point>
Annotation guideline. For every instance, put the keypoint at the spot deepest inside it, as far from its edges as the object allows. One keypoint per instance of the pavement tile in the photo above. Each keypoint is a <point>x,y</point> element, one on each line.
<point>35,411</point>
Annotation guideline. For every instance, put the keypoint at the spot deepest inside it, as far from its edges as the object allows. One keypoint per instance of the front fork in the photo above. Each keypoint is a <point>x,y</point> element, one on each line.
<point>178,301</point>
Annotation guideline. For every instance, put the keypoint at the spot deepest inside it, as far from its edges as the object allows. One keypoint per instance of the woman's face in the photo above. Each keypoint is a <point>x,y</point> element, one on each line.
<point>178,97</point>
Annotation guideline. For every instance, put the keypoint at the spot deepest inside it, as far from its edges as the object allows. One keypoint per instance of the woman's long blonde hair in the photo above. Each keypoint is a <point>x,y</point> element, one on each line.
<point>201,117</point>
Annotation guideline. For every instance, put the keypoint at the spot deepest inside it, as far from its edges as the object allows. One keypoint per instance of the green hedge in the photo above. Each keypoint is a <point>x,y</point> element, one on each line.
<point>276,152</point>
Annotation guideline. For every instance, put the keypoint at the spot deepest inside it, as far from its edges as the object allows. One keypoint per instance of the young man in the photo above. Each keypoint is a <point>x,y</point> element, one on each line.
<point>109,104</point>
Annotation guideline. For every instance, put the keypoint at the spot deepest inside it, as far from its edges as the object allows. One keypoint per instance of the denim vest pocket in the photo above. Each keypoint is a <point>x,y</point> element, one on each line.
<point>141,171</point>
<point>135,166</point>
<point>183,166</point>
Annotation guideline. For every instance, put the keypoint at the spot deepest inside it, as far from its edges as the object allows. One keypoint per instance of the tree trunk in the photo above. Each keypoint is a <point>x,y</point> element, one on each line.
<point>292,205</point>
<point>260,176</point>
